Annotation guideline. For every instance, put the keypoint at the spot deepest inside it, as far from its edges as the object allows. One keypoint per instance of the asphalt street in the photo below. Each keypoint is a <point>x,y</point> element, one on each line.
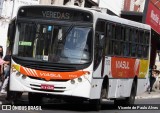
<point>152,99</point>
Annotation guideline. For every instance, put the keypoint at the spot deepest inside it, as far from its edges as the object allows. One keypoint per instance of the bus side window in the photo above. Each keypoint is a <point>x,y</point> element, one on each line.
<point>140,51</point>
<point>98,49</point>
<point>108,38</point>
<point>126,50</point>
<point>111,33</point>
<point>127,34</point>
<point>146,45</point>
<point>116,48</point>
<point>147,34</point>
<point>141,36</point>
<point>133,50</point>
<point>118,32</point>
<point>99,42</point>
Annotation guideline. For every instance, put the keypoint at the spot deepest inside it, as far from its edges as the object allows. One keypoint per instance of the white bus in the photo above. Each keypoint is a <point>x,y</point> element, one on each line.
<point>78,54</point>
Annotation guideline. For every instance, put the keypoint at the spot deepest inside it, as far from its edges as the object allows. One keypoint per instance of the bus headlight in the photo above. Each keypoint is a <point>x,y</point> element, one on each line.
<point>79,79</point>
<point>18,74</point>
<point>72,81</point>
<point>24,76</point>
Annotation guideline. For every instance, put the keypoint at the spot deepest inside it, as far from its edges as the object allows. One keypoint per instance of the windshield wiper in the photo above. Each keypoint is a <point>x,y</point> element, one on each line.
<point>68,30</point>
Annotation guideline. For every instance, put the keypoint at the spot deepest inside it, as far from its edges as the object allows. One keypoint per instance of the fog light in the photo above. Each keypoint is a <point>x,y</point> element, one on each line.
<point>79,79</point>
<point>18,74</point>
<point>72,81</point>
<point>24,77</point>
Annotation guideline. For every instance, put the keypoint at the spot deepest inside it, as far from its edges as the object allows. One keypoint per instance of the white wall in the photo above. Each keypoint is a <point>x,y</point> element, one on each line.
<point>113,5</point>
<point>1,5</point>
<point>7,9</point>
<point>3,33</point>
<point>18,3</point>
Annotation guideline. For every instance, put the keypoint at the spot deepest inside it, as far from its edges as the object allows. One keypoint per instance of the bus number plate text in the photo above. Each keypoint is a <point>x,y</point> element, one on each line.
<point>47,87</point>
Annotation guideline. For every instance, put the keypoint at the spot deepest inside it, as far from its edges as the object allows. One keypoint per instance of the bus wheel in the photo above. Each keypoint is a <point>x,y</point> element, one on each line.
<point>34,98</point>
<point>130,100</point>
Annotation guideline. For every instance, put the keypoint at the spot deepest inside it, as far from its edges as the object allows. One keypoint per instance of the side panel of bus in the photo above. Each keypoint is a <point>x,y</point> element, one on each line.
<point>126,58</point>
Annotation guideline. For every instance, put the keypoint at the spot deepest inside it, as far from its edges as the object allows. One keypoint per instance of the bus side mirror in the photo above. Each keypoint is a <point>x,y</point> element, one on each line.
<point>11,30</point>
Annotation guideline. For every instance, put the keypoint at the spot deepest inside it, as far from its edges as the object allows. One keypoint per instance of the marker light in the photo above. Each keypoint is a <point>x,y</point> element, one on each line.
<point>13,69</point>
<point>72,81</point>
<point>79,79</point>
<point>18,74</point>
<point>24,76</point>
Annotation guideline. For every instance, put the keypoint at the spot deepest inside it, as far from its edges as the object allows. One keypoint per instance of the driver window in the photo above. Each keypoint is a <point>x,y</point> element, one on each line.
<point>99,42</point>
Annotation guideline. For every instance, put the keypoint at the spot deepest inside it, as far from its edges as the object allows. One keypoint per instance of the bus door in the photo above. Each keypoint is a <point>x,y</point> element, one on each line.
<point>99,49</point>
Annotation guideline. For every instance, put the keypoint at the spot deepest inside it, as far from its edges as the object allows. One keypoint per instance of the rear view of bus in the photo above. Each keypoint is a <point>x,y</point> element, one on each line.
<point>51,52</point>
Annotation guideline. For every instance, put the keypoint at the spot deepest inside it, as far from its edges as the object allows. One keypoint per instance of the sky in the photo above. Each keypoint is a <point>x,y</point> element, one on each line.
<point>110,4</point>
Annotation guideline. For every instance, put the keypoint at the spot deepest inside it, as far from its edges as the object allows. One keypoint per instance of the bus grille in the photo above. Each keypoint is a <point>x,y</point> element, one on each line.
<point>56,89</point>
<point>53,80</point>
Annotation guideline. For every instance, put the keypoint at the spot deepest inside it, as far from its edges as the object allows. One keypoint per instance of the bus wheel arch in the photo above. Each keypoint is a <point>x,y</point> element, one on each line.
<point>130,100</point>
<point>105,87</point>
<point>103,94</point>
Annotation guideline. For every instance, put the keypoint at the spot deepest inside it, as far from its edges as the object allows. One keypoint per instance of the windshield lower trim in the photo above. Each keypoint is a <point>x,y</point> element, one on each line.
<point>46,66</point>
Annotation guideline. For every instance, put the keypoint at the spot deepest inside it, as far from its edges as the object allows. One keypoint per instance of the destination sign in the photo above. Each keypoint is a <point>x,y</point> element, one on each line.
<point>52,12</point>
<point>56,15</point>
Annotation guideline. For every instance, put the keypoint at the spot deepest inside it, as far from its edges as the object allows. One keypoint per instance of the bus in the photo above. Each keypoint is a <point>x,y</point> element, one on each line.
<point>78,54</point>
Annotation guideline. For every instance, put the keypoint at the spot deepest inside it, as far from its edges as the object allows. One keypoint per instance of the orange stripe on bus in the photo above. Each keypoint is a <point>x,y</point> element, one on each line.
<point>51,75</point>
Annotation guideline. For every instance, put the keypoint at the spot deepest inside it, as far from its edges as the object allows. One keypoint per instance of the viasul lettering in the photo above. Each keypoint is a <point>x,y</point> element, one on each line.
<point>122,64</point>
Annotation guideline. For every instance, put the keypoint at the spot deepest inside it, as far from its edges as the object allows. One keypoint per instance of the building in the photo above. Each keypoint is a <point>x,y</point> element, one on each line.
<point>1,6</point>
<point>80,3</point>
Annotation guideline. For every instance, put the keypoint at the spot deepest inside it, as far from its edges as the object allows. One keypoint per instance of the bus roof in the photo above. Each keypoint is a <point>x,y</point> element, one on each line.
<point>119,20</point>
<point>99,15</point>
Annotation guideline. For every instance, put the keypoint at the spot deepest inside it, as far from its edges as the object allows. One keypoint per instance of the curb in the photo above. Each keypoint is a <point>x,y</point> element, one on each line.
<point>146,95</point>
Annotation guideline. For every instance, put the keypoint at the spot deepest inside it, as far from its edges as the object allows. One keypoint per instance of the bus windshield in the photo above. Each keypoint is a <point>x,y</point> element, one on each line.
<point>53,43</point>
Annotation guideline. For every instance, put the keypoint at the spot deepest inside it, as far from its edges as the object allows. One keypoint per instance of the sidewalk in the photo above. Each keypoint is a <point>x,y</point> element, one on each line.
<point>146,95</point>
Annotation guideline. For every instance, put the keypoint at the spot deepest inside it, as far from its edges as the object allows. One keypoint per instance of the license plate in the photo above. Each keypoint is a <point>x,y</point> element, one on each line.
<point>47,87</point>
